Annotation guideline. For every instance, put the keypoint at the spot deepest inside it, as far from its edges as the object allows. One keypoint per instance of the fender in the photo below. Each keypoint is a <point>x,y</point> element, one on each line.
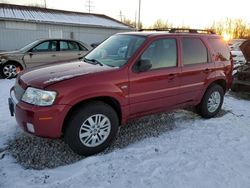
<point>86,88</point>
<point>104,90</point>
<point>212,78</point>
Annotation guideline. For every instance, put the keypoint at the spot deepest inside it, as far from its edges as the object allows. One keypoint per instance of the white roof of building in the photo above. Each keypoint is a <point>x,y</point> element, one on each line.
<point>43,15</point>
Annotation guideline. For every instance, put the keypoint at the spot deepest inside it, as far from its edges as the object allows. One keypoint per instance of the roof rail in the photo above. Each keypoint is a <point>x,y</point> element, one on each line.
<point>156,29</point>
<point>182,30</point>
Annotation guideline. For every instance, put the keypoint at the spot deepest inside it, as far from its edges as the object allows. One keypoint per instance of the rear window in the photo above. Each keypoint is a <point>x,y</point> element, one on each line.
<point>220,48</point>
<point>68,46</point>
<point>194,51</point>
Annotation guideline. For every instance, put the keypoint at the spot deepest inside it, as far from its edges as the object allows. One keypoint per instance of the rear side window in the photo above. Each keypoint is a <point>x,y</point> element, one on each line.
<point>68,46</point>
<point>221,49</point>
<point>194,51</point>
<point>73,46</point>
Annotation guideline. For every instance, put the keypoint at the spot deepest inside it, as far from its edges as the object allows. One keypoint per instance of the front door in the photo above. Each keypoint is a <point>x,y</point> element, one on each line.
<point>156,89</point>
<point>43,53</point>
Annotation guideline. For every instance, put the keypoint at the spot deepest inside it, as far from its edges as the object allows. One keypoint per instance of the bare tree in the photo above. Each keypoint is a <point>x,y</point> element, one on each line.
<point>130,22</point>
<point>36,5</point>
<point>235,28</point>
<point>161,24</point>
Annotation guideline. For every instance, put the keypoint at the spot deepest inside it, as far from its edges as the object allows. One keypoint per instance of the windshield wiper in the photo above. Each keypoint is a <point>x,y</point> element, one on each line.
<point>93,61</point>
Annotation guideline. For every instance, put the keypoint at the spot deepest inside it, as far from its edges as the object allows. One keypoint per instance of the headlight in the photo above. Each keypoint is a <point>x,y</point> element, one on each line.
<point>39,97</point>
<point>2,59</point>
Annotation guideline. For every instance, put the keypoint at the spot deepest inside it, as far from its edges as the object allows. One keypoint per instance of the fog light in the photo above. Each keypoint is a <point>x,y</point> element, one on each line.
<point>30,127</point>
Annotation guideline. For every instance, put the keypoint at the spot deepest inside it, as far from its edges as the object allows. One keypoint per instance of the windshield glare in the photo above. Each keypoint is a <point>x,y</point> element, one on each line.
<point>28,46</point>
<point>116,50</point>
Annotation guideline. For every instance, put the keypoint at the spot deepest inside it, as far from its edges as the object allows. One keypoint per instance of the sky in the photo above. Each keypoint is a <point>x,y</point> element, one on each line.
<point>193,13</point>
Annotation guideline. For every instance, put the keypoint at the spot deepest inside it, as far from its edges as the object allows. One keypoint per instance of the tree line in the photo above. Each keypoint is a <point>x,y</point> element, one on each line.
<point>235,28</point>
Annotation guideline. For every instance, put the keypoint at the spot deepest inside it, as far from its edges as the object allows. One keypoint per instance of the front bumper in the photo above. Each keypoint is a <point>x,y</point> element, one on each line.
<point>40,121</point>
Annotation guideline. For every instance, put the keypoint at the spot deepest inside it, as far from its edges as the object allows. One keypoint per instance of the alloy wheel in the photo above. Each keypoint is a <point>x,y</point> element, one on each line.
<point>95,130</point>
<point>214,101</point>
<point>10,70</point>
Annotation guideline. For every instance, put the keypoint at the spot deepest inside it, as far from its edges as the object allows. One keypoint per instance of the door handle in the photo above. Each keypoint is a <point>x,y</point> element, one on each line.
<point>79,54</point>
<point>53,55</point>
<point>207,70</point>
<point>172,76</point>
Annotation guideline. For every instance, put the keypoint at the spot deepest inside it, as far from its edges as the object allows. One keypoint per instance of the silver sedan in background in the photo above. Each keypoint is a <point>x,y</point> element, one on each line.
<point>40,52</point>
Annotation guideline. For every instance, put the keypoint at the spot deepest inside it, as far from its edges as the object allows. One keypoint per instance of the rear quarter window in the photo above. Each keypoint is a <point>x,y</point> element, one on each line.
<point>221,49</point>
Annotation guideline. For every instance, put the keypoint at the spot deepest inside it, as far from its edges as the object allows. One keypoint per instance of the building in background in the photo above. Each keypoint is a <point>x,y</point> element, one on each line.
<point>20,25</point>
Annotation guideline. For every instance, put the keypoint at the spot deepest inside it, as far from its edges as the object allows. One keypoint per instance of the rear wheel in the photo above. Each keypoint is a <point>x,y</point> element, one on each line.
<point>211,102</point>
<point>91,128</point>
<point>10,70</point>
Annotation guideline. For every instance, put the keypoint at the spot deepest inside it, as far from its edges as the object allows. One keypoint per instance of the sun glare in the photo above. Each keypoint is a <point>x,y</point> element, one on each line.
<point>226,36</point>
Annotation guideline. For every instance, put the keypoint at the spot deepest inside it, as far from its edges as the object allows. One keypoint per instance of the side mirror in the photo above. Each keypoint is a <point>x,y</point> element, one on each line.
<point>143,65</point>
<point>30,54</point>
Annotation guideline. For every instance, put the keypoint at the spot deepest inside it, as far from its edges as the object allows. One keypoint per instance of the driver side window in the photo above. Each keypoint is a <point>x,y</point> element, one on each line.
<point>46,46</point>
<point>162,53</point>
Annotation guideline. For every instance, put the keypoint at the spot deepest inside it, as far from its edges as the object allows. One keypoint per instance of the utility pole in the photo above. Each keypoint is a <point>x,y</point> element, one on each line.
<point>121,16</point>
<point>139,16</point>
<point>89,5</point>
<point>45,4</point>
<point>135,19</point>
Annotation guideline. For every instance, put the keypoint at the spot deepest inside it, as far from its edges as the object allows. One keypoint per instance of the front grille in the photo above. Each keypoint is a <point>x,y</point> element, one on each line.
<point>19,91</point>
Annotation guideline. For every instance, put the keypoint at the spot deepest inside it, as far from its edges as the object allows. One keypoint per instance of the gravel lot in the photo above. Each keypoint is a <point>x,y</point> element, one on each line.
<point>40,153</point>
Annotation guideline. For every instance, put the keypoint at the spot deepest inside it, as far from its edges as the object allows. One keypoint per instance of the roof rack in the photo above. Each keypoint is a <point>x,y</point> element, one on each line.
<point>182,30</point>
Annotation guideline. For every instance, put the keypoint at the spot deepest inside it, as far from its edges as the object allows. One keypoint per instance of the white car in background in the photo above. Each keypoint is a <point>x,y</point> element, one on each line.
<point>237,54</point>
<point>238,58</point>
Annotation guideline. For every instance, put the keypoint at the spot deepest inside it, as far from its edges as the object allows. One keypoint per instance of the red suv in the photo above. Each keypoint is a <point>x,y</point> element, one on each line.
<point>127,76</point>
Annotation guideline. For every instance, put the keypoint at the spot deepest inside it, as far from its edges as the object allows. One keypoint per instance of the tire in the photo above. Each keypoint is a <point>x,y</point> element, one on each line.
<point>84,135</point>
<point>9,70</point>
<point>211,102</point>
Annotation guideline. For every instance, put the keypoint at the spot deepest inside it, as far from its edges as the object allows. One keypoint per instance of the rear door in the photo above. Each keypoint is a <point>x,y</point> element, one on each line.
<point>196,67</point>
<point>70,50</point>
<point>156,89</point>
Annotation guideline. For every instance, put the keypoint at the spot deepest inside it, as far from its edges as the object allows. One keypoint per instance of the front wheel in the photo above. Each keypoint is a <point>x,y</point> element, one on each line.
<point>211,102</point>
<point>9,70</point>
<point>91,128</point>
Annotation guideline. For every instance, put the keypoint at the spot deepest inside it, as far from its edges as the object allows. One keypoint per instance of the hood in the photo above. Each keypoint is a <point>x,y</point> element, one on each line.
<point>11,54</point>
<point>245,48</point>
<point>44,76</point>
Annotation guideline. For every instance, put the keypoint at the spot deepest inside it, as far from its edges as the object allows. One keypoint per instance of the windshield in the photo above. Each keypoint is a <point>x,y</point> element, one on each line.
<point>116,50</point>
<point>28,46</point>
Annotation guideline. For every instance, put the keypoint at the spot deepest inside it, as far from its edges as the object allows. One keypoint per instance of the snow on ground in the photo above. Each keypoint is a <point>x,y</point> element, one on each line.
<point>196,153</point>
